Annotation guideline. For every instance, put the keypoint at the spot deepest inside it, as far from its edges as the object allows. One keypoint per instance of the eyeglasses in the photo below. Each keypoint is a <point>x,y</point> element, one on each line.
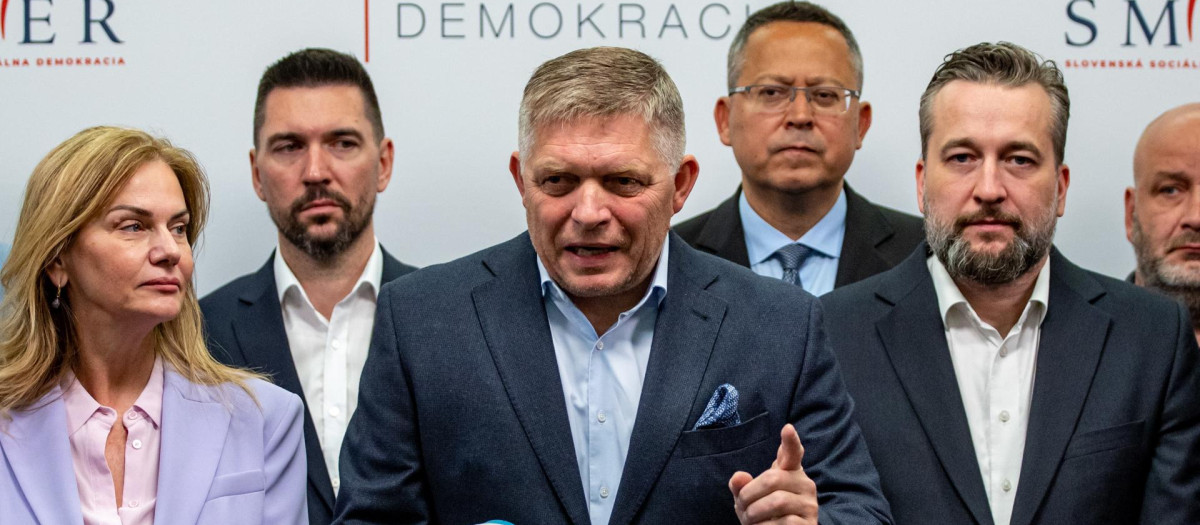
<point>770,98</point>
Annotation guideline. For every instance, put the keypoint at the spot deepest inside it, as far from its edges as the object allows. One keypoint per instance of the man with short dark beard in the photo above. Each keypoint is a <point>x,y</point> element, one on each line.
<point>1162,209</point>
<point>996,382</point>
<point>305,317</point>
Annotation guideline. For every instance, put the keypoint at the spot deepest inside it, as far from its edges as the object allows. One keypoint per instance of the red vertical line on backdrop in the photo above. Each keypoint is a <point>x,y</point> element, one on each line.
<point>367,30</point>
<point>1191,11</point>
<point>3,17</point>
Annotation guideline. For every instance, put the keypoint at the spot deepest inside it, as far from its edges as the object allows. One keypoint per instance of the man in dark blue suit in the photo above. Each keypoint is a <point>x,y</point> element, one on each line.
<point>996,381</point>
<point>597,369</point>
<point>320,156</point>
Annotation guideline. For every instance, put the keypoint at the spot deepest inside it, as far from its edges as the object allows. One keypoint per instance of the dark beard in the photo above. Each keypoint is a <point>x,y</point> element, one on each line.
<point>327,248</point>
<point>1029,245</point>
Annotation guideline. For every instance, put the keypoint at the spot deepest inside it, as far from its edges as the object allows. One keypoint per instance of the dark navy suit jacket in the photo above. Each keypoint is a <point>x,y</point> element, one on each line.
<point>1114,424</point>
<point>244,325</point>
<point>466,420</point>
<point>877,238</point>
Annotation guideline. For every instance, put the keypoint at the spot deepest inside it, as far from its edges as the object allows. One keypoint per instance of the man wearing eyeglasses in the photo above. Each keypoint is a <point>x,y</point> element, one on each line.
<point>794,119</point>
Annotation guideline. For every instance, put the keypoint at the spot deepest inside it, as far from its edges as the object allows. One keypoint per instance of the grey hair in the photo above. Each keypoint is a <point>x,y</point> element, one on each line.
<point>1007,64</point>
<point>604,82</point>
<point>790,12</point>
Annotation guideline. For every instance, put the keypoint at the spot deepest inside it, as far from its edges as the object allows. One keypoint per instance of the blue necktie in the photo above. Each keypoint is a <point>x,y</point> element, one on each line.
<point>792,256</point>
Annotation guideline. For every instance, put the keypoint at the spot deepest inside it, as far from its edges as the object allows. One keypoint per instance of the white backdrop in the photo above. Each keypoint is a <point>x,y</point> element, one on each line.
<point>449,93</point>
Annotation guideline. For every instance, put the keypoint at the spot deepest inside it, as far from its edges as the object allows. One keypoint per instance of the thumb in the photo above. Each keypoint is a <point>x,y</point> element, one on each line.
<point>791,452</point>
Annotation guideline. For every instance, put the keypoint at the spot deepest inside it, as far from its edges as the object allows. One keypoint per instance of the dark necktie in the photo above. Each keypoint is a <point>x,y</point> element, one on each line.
<point>792,256</point>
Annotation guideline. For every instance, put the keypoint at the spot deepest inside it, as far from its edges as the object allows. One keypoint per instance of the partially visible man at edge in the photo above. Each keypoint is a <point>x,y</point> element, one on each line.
<point>597,370</point>
<point>320,157</point>
<point>1162,208</point>
<point>794,118</point>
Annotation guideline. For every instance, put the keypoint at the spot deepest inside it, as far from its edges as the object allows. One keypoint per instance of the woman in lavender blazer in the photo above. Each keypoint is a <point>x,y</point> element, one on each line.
<point>111,409</point>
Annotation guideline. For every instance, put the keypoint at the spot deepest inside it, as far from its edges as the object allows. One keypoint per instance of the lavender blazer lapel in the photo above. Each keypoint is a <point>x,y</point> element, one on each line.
<point>194,424</point>
<point>37,448</point>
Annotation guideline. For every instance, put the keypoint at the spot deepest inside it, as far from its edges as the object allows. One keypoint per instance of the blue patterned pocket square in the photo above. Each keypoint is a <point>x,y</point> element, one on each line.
<point>722,409</point>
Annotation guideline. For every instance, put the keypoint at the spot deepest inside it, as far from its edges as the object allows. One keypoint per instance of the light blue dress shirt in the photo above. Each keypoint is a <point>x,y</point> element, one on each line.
<point>602,382</point>
<point>3,257</point>
<point>819,272</point>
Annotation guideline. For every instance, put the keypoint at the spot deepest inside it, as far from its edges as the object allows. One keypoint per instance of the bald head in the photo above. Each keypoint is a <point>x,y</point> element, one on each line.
<point>1169,142</point>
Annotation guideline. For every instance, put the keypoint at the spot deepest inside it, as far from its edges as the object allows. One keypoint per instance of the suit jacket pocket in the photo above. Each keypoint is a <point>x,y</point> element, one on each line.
<point>235,484</point>
<point>694,443</point>
<point>1111,438</point>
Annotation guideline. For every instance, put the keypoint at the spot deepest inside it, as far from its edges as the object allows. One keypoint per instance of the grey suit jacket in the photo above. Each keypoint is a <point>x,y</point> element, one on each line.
<point>1114,424</point>
<point>877,238</point>
<point>244,326</point>
<point>468,422</point>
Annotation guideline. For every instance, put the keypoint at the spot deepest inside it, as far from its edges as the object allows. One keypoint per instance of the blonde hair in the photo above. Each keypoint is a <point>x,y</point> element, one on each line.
<point>70,188</point>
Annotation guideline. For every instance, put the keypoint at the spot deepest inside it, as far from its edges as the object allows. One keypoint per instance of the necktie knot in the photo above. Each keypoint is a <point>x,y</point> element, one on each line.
<point>792,256</point>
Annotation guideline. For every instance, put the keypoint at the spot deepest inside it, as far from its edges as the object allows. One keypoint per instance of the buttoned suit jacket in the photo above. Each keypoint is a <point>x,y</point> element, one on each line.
<point>224,458</point>
<point>1114,422</point>
<point>468,421</point>
<point>876,239</point>
<point>243,322</point>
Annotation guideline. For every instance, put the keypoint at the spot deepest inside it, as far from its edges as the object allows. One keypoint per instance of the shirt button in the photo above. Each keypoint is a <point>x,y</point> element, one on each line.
<point>335,411</point>
<point>337,345</point>
<point>131,415</point>
<point>599,345</point>
<point>337,483</point>
<point>133,504</point>
<point>603,492</point>
<point>1006,485</point>
<point>1004,416</point>
<point>601,417</point>
<point>137,444</point>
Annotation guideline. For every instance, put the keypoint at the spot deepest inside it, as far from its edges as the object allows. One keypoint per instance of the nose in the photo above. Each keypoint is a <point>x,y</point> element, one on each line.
<point>164,248</point>
<point>798,112</point>
<point>989,187</point>
<point>316,167</point>
<point>1191,215</point>
<point>591,208</point>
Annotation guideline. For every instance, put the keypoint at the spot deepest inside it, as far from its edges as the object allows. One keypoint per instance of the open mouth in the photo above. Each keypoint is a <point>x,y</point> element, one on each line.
<point>591,251</point>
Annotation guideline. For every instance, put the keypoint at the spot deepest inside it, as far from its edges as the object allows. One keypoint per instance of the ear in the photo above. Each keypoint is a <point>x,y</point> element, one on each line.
<point>514,167</point>
<point>1064,180</point>
<point>721,116</point>
<point>254,176</point>
<point>864,122</point>
<point>1130,211</point>
<point>57,272</point>
<point>921,185</point>
<point>387,157</point>
<point>685,180</point>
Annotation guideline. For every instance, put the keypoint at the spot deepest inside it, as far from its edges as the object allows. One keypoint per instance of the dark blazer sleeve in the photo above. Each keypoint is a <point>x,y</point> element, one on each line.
<point>835,453</point>
<point>1173,485</point>
<point>381,457</point>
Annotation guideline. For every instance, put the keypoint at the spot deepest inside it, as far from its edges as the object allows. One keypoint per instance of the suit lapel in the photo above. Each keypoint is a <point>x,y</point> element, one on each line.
<point>865,230</point>
<point>684,335</point>
<point>36,445</point>
<point>914,337</point>
<point>723,234</point>
<point>513,318</point>
<point>263,341</point>
<point>193,435</point>
<point>1072,340</point>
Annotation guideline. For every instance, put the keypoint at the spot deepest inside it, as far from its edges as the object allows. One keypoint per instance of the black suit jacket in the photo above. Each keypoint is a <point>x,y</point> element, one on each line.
<point>467,421</point>
<point>877,238</point>
<point>1114,424</point>
<point>244,326</point>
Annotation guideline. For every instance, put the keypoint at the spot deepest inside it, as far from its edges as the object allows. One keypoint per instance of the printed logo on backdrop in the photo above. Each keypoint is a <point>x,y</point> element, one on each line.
<point>69,33</point>
<point>1131,35</point>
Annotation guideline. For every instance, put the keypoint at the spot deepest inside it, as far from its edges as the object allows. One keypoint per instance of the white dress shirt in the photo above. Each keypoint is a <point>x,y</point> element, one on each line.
<point>601,379</point>
<point>330,353</point>
<point>995,378</point>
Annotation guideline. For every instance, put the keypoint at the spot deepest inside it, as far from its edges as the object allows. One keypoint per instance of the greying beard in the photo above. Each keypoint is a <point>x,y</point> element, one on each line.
<point>1031,242</point>
<point>1178,283</point>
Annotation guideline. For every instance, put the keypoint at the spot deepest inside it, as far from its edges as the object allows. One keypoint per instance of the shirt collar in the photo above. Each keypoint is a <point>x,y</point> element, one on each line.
<point>948,294</point>
<point>763,240</point>
<point>372,275</point>
<point>657,289</point>
<point>81,406</point>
